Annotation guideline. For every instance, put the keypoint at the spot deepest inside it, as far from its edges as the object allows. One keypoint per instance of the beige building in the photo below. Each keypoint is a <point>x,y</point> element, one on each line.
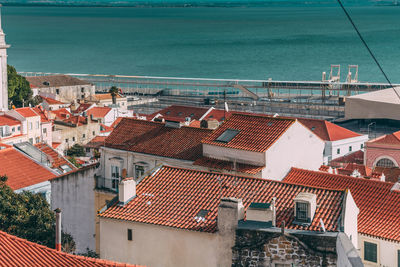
<point>105,100</point>
<point>30,123</point>
<point>74,130</point>
<point>61,87</point>
<point>189,218</point>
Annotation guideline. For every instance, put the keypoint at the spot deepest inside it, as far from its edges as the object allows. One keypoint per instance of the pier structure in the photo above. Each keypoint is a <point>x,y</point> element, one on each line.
<point>317,99</point>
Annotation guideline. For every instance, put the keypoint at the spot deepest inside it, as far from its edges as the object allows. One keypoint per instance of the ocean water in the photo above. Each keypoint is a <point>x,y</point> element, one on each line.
<point>282,43</point>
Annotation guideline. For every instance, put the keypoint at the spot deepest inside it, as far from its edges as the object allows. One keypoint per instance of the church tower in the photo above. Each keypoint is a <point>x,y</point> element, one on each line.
<point>3,70</point>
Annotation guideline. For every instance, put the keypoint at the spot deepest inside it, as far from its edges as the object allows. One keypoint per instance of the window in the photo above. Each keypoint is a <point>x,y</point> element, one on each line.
<point>37,140</point>
<point>139,171</point>
<point>301,211</point>
<point>57,91</point>
<point>130,234</point>
<point>94,133</point>
<point>385,163</point>
<point>350,148</point>
<point>31,140</point>
<point>115,176</point>
<point>370,251</point>
<point>82,96</point>
<point>83,136</point>
<point>19,128</point>
<point>227,136</point>
<point>82,89</point>
<point>13,129</point>
<point>44,130</point>
<point>362,146</point>
<point>30,126</point>
<point>88,149</point>
<point>73,139</point>
<point>338,151</point>
<point>66,140</point>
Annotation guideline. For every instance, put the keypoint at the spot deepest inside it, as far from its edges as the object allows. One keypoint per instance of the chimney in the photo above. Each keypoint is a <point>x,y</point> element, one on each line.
<point>127,190</point>
<point>58,229</point>
<point>230,211</point>
<point>262,212</point>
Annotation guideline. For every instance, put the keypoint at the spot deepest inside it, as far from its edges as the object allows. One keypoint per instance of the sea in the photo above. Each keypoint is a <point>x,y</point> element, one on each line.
<point>232,42</point>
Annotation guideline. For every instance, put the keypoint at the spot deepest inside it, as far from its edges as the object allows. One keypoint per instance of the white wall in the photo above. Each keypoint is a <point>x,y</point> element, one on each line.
<point>73,194</point>
<point>350,219</point>
<point>297,147</point>
<point>154,245</point>
<point>228,154</point>
<point>387,251</point>
<point>343,145</point>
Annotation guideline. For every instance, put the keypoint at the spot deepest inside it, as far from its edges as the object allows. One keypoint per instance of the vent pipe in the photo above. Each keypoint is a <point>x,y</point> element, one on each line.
<point>58,229</point>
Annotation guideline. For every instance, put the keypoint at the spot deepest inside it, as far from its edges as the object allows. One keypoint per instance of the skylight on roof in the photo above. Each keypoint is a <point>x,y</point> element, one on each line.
<point>201,215</point>
<point>312,128</point>
<point>227,136</point>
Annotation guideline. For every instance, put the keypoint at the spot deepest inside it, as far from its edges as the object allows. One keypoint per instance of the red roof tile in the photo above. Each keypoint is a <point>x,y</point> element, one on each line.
<point>61,113</point>
<point>256,132</point>
<point>21,170</point>
<point>218,114</point>
<point>392,175</point>
<point>96,142</point>
<point>389,139</point>
<point>105,129</point>
<point>52,101</point>
<point>42,113</point>
<point>56,160</point>
<point>157,139</point>
<point>98,112</point>
<point>355,157</point>
<point>55,144</point>
<point>181,112</point>
<point>26,112</point>
<point>351,167</point>
<point>326,130</point>
<point>76,120</point>
<point>7,120</point>
<point>106,96</point>
<point>227,165</point>
<point>116,122</point>
<point>379,206</point>
<point>174,196</point>
<point>15,251</point>
<point>82,107</point>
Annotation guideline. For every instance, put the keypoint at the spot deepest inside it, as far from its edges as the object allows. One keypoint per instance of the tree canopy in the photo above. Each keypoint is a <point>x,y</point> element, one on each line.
<point>76,151</point>
<point>29,216</point>
<point>19,90</point>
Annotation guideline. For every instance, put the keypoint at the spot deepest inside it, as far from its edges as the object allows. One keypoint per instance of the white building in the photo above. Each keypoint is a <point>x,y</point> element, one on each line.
<point>261,146</point>
<point>3,71</point>
<point>339,141</point>
<point>379,217</point>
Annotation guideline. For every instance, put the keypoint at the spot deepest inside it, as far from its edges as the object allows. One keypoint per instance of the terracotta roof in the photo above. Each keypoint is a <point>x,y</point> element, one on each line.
<point>256,132</point>
<point>174,196</point>
<point>82,107</point>
<point>26,112</point>
<point>55,144</point>
<point>54,81</point>
<point>181,112</point>
<point>8,120</point>
<point>42,113</point>
<point>55,158</point>
<point>227,165</point>
<point>355,157</point>
<point>157,139</point>
<point>351,167</point>
<point>61,113</point>
<point>105,129</point>
<point>116,122</point>
<point>96,142</point>
<point>21,170</point>
<point>15,251</point>
<point>98,112</point>
<point>218,114</point>
<point>379,206</point>
<point>326,130</point>
<point>76,120</point>
<point>52,101</point>
<point>389,139</point>
<point>106,96</point>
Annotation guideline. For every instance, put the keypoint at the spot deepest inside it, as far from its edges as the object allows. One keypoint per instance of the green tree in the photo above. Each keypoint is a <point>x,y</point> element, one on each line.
<point>76,151</point>
<point>19,90</point>
<point>114,92</point>
<point>29,216</point>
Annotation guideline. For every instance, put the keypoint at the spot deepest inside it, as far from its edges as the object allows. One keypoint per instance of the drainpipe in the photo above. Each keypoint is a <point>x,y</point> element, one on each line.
<point>58,229</point>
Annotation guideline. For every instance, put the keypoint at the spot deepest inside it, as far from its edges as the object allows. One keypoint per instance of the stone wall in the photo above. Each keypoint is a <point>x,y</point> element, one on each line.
<point>262,248</point>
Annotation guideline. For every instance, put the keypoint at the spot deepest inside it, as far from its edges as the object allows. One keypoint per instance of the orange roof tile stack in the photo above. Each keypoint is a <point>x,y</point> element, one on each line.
<point>256,132</point>
<point>379,205</point>
<point>326,130</point>
<point>21,170</point>
<point>174,196</point>
<point>15,251</point>
<point>157,139</point>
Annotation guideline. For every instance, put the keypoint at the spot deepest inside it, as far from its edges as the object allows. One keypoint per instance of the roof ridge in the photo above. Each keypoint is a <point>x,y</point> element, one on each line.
<point>261,115</point>
<point>249,177</point>
<point>326,129</point>
<point>163,124</point>
<point>341,175</point>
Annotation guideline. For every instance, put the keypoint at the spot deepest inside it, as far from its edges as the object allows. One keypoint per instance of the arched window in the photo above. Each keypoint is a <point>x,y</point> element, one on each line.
<point>385,162</point>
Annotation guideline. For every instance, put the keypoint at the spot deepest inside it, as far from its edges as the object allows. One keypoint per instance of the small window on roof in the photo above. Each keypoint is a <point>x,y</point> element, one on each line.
<point>312,128</point>
<point>201,215</point>
<point>270,123</point>
<point>180,113</point>
<point>227,136</point>
<point>191,115</point>
<point>168,112</point>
